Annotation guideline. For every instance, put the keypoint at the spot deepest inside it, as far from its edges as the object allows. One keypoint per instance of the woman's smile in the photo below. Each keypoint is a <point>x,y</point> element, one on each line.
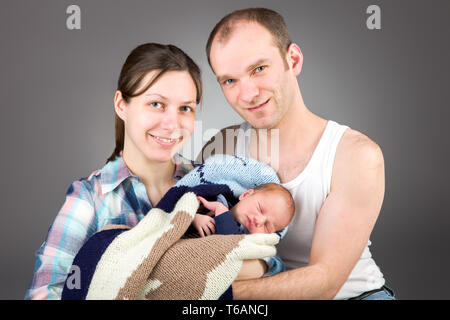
<point>166,142</point>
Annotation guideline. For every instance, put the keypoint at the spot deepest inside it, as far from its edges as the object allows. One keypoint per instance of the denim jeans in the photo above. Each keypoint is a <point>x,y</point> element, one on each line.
<point>386,294</point>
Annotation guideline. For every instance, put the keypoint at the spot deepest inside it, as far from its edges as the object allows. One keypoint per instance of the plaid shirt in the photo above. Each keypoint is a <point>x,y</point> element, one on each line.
<point>112,195</point>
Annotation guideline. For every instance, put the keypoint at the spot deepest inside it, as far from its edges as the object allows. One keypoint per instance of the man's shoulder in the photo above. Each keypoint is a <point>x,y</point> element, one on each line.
<point>229,131</point>
<point>218,143</point>
<point>357,149</point>
<point>357,142</point>
<point>224,132</point>
<point>231,127</point>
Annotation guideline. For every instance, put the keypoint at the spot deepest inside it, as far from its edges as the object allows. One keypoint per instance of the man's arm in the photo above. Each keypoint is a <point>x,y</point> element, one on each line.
<point>342,229</point>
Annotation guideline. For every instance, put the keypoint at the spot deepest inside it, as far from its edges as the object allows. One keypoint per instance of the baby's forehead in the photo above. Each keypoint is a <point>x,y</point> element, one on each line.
<point>279,208</point>
<point>269,195</point>
<point>272,192</point>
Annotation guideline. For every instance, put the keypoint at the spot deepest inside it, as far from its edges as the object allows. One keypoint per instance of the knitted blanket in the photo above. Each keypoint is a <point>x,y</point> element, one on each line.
<point>153,260</point>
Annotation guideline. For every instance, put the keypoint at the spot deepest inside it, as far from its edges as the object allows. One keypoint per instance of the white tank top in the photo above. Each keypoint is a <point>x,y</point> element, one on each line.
<point>309,190</point>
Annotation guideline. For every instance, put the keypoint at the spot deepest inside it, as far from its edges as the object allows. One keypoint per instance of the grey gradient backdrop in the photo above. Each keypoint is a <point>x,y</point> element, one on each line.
<point>57,87</point>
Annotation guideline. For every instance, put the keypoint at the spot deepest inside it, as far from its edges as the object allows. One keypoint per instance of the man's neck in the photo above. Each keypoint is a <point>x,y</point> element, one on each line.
<point>291,143</point>
<point>297,131</point>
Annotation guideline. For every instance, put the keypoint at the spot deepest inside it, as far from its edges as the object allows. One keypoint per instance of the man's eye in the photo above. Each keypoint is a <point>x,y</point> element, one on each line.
<point>259,69</point>
<point>228,82</point>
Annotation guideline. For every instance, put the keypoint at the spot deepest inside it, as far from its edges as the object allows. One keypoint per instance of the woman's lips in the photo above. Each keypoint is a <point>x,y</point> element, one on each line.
<point>259,107</point>
<point>165,142</point>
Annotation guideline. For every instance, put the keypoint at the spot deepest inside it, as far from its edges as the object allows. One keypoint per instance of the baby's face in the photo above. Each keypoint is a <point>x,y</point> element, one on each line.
<point>262,212</point>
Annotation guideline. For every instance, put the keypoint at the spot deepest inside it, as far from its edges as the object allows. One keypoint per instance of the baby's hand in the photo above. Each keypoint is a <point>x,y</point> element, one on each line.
<point>205,225</point>
<point>215,207</point>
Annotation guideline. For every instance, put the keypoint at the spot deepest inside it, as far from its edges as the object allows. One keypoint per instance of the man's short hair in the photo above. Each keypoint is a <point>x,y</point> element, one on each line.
<point>267,18</point>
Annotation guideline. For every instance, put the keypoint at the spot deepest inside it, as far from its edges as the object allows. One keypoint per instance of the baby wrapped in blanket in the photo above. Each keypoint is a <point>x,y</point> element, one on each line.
<point>267,208</point>
<point>153,261</point>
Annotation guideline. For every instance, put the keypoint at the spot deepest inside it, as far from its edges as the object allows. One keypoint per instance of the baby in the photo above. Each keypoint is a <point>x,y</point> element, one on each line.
<point>267,208</point>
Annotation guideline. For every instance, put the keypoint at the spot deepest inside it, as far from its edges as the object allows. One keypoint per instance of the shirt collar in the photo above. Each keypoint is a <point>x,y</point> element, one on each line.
<point>113,173</point>
<point>183,166</point>
<point>116,171</point>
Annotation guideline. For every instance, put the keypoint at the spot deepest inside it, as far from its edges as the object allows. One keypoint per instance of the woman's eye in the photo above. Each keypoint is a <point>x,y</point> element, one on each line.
<point>186,109</point>
<point>228,82</point>
<point>156,105</point>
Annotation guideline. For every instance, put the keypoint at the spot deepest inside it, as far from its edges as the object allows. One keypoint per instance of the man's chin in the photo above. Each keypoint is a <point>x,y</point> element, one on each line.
<point>262,124</point>
<point>266,121</point>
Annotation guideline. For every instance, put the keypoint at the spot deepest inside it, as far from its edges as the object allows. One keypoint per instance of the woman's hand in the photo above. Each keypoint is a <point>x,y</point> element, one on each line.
<point>205,225</point>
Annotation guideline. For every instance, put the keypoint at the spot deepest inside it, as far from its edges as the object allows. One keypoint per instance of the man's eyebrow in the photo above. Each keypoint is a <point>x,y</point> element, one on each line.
<point>220,79</point>
<point>257,64</point>
<point>251,67</point>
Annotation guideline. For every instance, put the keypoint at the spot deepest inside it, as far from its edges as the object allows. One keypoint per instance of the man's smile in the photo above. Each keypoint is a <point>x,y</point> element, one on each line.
<point>259,107</point>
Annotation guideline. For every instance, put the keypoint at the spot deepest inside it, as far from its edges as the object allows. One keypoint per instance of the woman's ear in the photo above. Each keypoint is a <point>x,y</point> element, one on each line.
<point>120,105</point>
<point>294,58</point>
<point>246,193</point>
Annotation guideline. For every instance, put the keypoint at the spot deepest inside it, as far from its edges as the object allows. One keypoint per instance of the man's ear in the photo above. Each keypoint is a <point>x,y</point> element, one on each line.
<point>120,105</point>
<point>246,193</point>
<point>294,58</point>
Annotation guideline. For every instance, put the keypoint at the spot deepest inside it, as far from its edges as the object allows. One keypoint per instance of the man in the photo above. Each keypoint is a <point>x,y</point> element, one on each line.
<point>335,174</point>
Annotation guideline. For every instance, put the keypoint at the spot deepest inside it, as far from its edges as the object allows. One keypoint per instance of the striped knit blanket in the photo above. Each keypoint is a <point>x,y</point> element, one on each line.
<point>153,260</point>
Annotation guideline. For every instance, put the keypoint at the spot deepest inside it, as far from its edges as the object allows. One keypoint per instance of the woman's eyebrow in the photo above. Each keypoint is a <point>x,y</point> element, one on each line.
<point>189,102</point>
<point>165,98</point>
<point>156,94</point>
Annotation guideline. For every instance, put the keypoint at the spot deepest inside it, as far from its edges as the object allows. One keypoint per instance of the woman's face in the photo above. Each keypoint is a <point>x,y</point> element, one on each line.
<point>161,119</point>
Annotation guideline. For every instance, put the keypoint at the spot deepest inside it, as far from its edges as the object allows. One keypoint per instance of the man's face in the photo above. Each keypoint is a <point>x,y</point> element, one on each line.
<point>253,75</point>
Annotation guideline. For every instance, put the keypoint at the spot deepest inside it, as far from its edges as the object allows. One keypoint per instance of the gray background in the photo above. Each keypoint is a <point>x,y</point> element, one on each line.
<point>57,87</point>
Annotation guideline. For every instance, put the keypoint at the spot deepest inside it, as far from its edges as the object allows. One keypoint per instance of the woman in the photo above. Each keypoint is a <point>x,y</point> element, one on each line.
<point>158,90</point>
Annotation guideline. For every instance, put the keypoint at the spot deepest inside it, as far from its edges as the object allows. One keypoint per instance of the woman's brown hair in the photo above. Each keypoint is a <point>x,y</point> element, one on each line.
<point>143,59</point>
